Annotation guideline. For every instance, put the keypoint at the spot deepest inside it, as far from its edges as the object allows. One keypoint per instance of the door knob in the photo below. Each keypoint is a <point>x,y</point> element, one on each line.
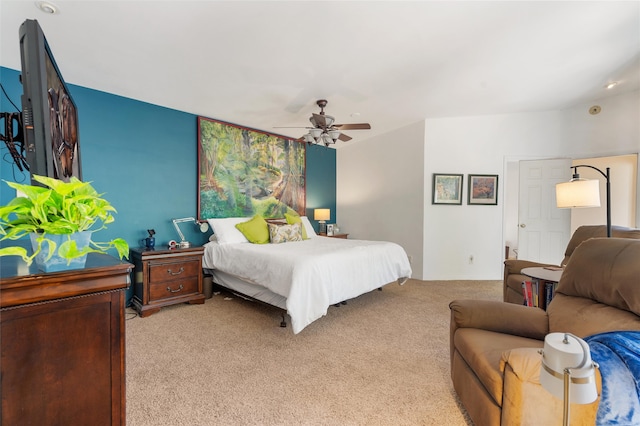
<point>523,225</point>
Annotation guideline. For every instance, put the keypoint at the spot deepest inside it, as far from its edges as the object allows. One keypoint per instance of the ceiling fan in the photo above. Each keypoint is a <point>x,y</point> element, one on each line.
<point>325,131</point>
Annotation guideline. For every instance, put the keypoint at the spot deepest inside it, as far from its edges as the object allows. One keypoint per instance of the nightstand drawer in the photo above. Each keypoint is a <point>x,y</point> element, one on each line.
<point>169,271</point>
<point>175,288</point>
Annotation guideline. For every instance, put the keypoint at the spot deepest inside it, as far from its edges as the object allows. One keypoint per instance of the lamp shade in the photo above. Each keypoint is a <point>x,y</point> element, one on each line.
<point>561,352</point>
<point>321,214</point>
<point>578,193</point>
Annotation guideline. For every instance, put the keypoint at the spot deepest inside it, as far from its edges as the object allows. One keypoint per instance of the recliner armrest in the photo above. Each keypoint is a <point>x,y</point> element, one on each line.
<point>515,266</point>
<point>500,317</point>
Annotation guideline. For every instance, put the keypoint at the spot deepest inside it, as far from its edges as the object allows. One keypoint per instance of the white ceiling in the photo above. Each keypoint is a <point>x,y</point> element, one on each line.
<point>263,64</point>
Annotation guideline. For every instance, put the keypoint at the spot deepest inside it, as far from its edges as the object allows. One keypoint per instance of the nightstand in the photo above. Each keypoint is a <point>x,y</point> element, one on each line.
<point>165,277</point>
<point>343,236</point>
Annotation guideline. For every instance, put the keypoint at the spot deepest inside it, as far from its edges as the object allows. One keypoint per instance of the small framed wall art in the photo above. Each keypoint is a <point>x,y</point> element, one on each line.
<point>447,188</point>
<point>483,190</point>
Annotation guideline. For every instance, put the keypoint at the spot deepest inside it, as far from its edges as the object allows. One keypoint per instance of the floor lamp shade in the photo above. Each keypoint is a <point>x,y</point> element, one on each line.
<point>578,193</point>
<point>564,351</point>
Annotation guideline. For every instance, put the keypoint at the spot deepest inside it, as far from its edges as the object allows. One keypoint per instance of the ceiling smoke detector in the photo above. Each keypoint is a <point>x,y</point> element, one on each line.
<point>595,110</point>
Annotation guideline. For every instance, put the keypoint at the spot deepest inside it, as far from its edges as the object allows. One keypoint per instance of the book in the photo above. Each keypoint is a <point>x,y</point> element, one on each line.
<point>548,293</point>
<point>527,292</point>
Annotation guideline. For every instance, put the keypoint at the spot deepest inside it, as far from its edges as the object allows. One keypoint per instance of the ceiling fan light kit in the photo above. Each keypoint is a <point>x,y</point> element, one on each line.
<point>324,131</point>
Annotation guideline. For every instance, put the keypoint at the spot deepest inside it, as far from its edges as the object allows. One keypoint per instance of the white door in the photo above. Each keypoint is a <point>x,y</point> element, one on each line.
<point>544,230</point>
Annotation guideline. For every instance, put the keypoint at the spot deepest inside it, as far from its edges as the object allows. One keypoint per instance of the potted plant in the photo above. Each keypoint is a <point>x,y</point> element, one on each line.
<point>60,219</point>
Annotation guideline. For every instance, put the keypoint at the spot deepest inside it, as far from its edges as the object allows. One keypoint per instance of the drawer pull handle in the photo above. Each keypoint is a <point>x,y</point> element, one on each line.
<point>175,291</point>
<point>170,272</point>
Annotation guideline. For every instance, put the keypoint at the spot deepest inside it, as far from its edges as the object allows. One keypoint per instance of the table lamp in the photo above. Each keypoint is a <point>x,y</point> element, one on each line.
<point>204,226</point>
<point>567,370</point>
<point>322,215</point>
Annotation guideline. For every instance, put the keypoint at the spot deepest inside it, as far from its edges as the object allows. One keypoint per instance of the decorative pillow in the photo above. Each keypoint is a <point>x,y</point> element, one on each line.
<point>255,230</point>
<point>226,231</point>
<point>308,227</point>
<point>291,219</point>
<point>284,233</point>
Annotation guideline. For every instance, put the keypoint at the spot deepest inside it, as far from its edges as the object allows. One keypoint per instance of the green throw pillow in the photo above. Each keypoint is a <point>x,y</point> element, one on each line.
<point>291,219</point>
<point>255,230</point>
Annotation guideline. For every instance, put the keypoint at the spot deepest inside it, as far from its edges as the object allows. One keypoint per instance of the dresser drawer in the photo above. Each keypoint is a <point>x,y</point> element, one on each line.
<point>175,288</point>
<point>169,271</point>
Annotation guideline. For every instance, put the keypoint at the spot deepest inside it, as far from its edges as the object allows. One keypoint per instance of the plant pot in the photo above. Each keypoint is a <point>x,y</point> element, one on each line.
<point>57,263</point>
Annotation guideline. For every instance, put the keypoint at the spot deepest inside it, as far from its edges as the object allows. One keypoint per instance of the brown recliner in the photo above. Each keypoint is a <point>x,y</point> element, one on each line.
<point>513,277</point>
<point>495,363</point>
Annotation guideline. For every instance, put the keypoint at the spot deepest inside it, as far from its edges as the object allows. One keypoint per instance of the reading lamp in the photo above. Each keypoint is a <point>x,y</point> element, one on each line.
<point>567,371</point>
<point>204,227</point>
<point>322,215</point>
<point>584,193</point>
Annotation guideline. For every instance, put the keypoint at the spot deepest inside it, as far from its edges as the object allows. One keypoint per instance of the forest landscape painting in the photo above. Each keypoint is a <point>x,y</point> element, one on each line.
<point>243,172</point>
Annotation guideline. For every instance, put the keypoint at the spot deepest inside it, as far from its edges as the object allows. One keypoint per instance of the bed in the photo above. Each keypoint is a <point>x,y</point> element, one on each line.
<point>306,277</point>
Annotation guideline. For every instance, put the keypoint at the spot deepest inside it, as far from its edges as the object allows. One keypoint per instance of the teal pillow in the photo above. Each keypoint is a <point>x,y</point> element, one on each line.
<point>291,219</point>
<point>255,230</point>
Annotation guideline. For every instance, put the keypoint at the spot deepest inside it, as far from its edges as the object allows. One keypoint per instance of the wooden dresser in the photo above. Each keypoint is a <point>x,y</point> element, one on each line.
<point>63,343</point>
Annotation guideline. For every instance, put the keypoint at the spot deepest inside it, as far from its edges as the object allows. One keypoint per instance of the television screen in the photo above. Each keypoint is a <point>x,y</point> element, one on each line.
<point>49,114</point>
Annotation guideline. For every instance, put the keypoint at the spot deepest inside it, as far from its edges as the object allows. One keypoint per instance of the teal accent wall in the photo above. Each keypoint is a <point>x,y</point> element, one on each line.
<point>143,158</point>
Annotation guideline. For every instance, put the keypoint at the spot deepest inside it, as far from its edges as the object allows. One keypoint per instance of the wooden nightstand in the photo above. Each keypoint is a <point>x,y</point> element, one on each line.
<point>343,236</point>
<point>166,277</point>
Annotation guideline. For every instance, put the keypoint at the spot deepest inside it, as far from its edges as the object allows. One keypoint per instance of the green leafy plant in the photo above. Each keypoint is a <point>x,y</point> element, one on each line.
<point>60,208</point>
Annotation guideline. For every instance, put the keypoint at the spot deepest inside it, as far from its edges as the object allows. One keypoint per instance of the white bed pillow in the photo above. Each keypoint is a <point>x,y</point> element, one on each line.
<point>308,227</point>
<point>226,231</point>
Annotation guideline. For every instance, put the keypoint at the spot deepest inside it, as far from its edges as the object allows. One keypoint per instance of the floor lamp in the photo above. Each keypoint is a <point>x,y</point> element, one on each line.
<point>584,192</point>
<point>567,371</point>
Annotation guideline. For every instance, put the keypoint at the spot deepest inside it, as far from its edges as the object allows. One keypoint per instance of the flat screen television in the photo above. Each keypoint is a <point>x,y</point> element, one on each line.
<point>49,114</point>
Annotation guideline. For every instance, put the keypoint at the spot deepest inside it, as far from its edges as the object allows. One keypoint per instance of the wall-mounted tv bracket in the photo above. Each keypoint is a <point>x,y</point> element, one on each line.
<point>12,142</point>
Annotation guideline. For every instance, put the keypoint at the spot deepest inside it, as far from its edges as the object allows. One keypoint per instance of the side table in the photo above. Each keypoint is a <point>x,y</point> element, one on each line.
<point>546,279</point>
<point>343,236</point>
<point>166,277</point>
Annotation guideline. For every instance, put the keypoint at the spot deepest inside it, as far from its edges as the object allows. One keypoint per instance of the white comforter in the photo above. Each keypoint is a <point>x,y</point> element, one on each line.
<point>312,274</point>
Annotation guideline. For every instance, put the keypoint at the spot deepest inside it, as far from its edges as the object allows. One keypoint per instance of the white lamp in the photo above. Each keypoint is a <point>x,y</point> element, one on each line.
<point>322,215</point>
<point>567,370</point>
<point>584,193</point>
<point>204,226</point>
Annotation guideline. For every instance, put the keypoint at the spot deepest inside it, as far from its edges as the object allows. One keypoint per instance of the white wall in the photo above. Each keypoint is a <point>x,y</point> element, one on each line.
<point>379,190</point>
<point>477,145</point>
<point>614,131</point>
<point>384,183</point>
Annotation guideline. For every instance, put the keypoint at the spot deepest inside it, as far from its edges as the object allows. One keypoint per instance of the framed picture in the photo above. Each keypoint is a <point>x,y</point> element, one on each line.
<point>447,189</point>
<point>329,229</point>
<point>243,172</point>
<point>483,190</point>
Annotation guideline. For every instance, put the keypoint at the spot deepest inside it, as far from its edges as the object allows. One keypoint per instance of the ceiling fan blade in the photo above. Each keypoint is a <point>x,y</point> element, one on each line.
<point>344,138</point>
<point>353,126</point>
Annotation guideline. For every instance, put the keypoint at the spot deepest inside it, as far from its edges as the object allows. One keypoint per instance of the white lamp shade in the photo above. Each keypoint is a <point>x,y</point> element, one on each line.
<point>334,134</point>
<point>560,353</point>
<point>315,133</point>
<point>578,193</point>
<point>321,214</point>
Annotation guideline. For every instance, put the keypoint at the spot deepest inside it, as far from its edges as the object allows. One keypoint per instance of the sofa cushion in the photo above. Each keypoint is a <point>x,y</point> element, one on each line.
<point>482,351</point>
<point>607,271</point>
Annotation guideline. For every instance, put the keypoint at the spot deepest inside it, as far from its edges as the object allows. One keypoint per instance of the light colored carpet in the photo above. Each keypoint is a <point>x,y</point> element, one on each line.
<point>382,359</point>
